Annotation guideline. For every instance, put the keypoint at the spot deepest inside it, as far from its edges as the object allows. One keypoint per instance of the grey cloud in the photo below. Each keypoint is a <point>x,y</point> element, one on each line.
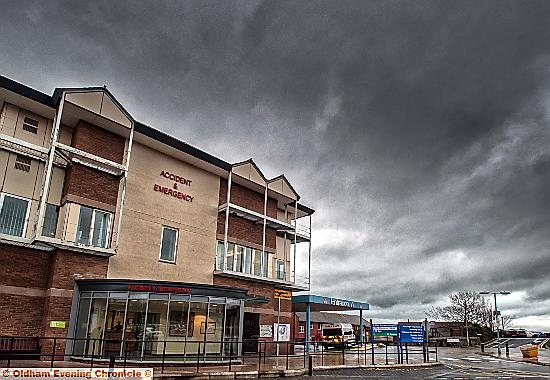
<point>418,130</point>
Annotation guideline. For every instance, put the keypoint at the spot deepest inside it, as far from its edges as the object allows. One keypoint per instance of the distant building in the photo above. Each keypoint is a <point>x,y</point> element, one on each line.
<point>318,319</point>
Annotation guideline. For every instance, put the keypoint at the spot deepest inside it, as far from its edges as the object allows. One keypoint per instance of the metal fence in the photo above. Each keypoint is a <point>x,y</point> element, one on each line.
<point>233,356</point>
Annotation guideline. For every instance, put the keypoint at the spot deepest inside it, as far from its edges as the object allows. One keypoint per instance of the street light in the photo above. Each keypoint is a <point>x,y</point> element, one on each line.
<point>496,315</point>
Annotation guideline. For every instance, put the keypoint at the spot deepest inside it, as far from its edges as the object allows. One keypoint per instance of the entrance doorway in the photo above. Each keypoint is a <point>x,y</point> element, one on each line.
<point>251,332</point>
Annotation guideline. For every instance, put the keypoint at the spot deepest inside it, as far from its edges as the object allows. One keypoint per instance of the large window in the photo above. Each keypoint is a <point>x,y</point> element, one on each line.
<point>169,244</point>
<point>13,215</point>
<point>147,325</point>
<point>242,259</point>
<point>280,268</point>
<point>93,227</point>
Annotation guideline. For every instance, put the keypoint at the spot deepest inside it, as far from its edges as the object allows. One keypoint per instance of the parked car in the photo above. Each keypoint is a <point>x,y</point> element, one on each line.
<point>522,333</point>
<point>537,334</point>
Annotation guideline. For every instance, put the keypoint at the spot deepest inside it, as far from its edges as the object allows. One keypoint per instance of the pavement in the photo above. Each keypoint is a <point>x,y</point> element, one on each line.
<point>514,345</point>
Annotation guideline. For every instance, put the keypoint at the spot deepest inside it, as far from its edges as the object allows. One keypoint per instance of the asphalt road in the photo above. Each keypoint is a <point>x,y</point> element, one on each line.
<point>456,363</point>
<point>516,342</point>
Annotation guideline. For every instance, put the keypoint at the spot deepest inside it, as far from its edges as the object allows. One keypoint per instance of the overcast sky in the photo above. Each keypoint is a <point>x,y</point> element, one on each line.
<point>418,130</point>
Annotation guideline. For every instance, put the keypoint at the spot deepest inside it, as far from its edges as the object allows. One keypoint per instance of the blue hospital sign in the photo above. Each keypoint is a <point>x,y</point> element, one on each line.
<point>411,333</point>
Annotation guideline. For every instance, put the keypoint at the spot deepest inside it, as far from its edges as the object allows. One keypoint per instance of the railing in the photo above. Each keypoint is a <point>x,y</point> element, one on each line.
<point>233,356</point>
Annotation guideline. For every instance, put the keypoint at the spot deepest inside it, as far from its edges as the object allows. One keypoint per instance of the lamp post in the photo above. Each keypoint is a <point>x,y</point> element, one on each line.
<point>496,315</point>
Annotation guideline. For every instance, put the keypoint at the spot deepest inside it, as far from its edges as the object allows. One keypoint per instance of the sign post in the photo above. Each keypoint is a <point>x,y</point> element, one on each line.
<point>280,294</point>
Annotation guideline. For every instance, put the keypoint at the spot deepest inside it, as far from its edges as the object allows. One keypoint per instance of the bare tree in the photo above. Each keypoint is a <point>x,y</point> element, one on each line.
<point>506,321</point>
<point>465,306</point>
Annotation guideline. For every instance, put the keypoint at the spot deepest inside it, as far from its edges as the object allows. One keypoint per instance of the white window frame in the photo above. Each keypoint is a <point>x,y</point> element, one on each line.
<point>26,221</point>
<point>91,230</point>
<point>175,246</point>
<point>301,329</point>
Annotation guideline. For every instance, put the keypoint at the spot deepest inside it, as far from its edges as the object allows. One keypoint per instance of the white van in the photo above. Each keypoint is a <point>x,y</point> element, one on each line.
<point>338,334</point>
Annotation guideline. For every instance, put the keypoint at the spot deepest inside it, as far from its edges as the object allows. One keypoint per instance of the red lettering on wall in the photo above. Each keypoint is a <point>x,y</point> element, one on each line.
<point>173,193</point>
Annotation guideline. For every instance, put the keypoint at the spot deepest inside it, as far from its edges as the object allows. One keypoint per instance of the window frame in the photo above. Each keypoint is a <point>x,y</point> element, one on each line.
<point>301,329</point>
<point>91,229</point>
<point>175,245</point>
<point>29,124</point>
<point>58,209</point>
<point>27,212</point>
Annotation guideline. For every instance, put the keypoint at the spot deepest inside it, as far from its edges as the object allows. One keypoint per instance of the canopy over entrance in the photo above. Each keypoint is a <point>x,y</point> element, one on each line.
<point>320,303</point>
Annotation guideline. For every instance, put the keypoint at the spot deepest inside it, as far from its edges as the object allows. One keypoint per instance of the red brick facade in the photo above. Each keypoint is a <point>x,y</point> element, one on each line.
<point>248,198</point>
<point>91,184</point>
<point>98,141</point>
<point>243,231</point>
<point>36,288</point>
<point>267,311</point>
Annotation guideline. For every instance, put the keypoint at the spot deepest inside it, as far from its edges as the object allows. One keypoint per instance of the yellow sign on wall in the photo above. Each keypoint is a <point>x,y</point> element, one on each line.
<point>57,324</point>
<point>282,294</point>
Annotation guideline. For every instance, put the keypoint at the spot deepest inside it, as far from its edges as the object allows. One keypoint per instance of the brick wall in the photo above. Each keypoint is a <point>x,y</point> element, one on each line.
<point>98,141</point>
<point>91,184</point>
<point>243,231</point>
<point>36,287</point>
<point>247,198</point>
<point>57,306</point>
<point>267,311</point>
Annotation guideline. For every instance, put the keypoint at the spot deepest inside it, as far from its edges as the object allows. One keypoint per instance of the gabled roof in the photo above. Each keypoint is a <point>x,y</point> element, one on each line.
<point>284,181</point>
<point>253,170</point>
<point>53,100</point>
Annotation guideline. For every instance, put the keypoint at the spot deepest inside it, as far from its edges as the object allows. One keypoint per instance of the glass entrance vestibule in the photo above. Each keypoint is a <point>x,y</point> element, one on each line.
<point>150,320</point>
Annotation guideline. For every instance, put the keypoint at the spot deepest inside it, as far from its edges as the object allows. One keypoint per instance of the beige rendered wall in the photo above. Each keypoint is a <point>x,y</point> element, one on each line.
<point>146,211</point>
<point>11,124</point>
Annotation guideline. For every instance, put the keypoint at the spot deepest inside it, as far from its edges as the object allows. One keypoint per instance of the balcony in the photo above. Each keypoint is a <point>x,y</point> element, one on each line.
<point>303,232</point>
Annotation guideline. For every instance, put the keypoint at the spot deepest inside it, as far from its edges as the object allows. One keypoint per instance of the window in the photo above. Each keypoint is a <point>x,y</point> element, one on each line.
<point>229,258</point>
<point>243,259</point>
<point>93,227</point>
<point>301,329</point>
<point>23,163</point>
<point>311,326</point>
<point>50,220</point>
<point>280,268</point>
<point>30,125</point>
<point>169,244</point>
<point>13,215</point>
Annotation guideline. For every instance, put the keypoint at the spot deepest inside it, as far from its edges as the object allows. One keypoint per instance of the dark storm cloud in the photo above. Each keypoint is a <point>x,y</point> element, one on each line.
<point>417,129</point>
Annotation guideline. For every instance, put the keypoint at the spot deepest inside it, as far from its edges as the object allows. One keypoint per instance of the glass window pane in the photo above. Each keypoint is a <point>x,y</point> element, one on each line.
<point>280,269</point>
<point>155,330</point>
<point>115,325</point>
<point>168,244</point>
<point>229,259</point>
<point>231,331</point>
<point>97,324</point>
<point>247,260</point>
<point>135,325</point>
<point>239,253</point>
<point>265,264</point>
<point>220,249</point>
<point>179,329</point>
<point>257,262</point>
<point>101,229</point>
<point>84,224</point>
<point>81,338</point>
<point>214,328</point>
<point>50,220</point>
<point>12,216</point>
<point>197,319</point>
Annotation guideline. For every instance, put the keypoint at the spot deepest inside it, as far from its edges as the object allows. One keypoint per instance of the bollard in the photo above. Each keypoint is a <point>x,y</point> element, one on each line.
<point>507,350</point>
<point>482,347</point>
<point>310,366</point>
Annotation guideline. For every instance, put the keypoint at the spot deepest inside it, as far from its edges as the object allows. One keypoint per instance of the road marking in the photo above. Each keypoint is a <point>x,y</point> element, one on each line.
<point>453,359</point>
